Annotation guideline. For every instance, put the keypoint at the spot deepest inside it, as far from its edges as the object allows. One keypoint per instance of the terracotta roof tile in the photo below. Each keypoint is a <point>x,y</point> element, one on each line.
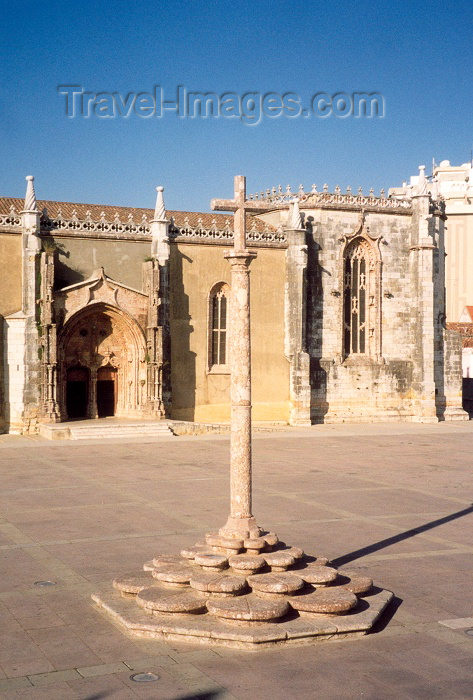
<point>67,209</point>
<point>465,330</point>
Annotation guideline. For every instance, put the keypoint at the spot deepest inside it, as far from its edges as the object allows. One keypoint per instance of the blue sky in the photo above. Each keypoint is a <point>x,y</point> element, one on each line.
<point>417,55</point>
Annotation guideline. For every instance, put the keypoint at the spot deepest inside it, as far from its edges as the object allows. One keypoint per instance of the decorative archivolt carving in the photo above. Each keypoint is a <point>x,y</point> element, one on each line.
<point>361,231</point>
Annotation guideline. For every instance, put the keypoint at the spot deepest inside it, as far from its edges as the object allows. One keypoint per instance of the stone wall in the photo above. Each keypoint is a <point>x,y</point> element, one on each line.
<point>78,257</point>
<point>203,395</point>
<point>376,385</point>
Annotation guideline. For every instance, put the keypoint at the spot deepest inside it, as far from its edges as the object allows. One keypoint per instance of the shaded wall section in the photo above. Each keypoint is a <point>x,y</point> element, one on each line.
<point>78,257</point>
<point>198,393</point>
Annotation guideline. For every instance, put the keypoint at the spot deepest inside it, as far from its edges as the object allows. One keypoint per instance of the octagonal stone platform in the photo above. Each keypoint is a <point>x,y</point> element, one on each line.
<point>204,629</point>
<point>306,602</point>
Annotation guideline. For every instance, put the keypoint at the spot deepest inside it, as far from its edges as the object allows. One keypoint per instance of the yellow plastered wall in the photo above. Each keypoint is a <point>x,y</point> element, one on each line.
<point>202,396</point>
<point>10,279</point>
<point>10,295</point>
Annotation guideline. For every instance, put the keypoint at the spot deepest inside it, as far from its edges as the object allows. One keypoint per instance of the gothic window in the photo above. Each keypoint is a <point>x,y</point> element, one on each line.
<point>218,325</point>
<point>360,284</point>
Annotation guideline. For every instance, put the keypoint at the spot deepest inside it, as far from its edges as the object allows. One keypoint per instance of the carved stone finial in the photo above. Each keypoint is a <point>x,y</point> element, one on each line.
<point>159,210</point>
<point>159,229</point>
<point>325,187</point>
<point>314,189</point>
<point>295,221</point>
<point>30,197</point>
<point>420,189</point>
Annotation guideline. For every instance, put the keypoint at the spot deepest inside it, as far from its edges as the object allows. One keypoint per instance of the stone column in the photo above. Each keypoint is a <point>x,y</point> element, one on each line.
<point>295,317</point>
<point>158,336</point>
<point>29,402</point>
<point>92,408</point>
<point>422,273</point>
<point>48,341</point>
<point>241,522</point>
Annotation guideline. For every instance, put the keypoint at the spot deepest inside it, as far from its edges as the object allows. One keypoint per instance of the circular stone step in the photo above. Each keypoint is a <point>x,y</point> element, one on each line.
<point>254,544</point>
<point>296,552</point>
<point>270,538</point>
<point>211,561</point>
<point>325,600</point>
<point>275,583</point>
<point>247,607</point>
<point>190,552</point>
<point>318,574</point>
<point>279,561</point>
<point>170,601</point>
<point>321,561</point>
<point>174,573</point>
<point>246,563</point>
<point>216,540</point>
<point>166,559</point>
<point>133,582</point>
<point>354,583</point>
<point>225,584</point>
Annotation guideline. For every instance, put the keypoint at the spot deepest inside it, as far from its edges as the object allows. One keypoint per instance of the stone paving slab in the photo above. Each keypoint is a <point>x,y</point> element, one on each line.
<point>319,488</point>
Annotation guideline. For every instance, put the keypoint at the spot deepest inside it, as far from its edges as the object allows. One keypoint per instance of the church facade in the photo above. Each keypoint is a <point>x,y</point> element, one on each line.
<point>114,311</point>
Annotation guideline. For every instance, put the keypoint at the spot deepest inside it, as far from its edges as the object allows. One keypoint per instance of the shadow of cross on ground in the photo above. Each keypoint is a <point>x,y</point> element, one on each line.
<point>376,546</point>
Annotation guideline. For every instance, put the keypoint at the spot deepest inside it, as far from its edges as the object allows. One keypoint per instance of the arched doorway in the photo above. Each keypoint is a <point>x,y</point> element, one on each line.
<point>102,364</point>
<point>106,391</point>
<point>77,392</point>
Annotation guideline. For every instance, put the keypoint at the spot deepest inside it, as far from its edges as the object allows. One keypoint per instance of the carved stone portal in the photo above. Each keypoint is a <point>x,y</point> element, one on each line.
<point>102,364</point>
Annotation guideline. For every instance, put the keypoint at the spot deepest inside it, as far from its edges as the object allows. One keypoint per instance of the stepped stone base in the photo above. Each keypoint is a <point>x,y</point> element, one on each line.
<point>103,428</point>
<point>206,629</point>
<point>207,596</point>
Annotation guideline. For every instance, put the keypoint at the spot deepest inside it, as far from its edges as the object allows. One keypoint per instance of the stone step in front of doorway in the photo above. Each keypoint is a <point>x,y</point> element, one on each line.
<point>99,430</point>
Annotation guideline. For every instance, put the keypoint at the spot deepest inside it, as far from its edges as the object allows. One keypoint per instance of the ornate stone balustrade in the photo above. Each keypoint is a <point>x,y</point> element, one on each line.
<point>12,219</point>
<point>277,196</point>
<point>199,232</point>
<point>117,227</point>
<point>177,232</point>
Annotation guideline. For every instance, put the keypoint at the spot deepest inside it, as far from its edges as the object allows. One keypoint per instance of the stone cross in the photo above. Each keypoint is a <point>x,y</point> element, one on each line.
<point>241,522</point>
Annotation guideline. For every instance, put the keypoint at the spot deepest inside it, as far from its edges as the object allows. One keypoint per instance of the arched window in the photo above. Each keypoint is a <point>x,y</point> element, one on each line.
<point>218,325</point>
<point>360,299</point>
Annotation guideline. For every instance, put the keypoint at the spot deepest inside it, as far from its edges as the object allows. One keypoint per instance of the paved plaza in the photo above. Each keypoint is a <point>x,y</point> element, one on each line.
<point>392,501</point>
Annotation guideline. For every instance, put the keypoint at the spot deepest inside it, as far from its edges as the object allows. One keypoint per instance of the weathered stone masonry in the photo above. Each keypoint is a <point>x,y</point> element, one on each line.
<point>348,309</point>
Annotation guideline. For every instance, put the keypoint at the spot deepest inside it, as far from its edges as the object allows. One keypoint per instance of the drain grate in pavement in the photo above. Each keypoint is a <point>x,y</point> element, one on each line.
<point>45,583</point>
<point>147,677</point>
